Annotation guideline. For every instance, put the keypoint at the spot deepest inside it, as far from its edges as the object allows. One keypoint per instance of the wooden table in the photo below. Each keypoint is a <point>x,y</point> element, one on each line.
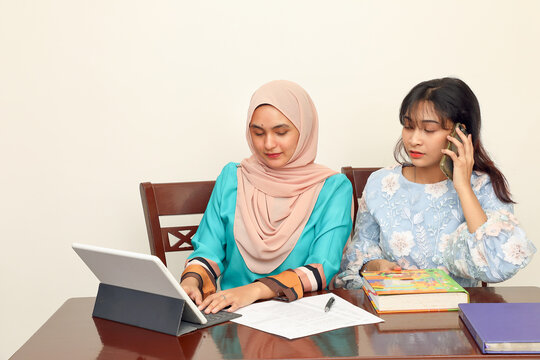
<point>72,333</point>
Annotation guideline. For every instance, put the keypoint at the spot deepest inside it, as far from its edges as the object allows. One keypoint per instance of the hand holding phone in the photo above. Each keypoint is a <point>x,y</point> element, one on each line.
<point>447,164</point>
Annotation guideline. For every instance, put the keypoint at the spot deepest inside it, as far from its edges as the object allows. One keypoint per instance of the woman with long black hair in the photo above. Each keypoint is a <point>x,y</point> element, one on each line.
<point>412,216</point>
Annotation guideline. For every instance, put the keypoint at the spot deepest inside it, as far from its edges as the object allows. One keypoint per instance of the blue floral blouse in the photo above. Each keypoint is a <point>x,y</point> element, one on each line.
<point>422,226</point>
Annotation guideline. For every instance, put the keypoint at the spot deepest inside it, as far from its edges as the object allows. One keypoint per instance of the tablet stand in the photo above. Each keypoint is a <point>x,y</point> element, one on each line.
<point>142,309</point>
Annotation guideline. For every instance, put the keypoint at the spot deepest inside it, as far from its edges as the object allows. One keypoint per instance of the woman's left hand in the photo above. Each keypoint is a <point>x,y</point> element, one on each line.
<point>463,160</point>
<point>236,297</point>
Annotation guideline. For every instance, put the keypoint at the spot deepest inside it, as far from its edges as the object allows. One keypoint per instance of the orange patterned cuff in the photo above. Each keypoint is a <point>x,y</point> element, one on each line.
<point>207,282</point>
<point>286,284</point>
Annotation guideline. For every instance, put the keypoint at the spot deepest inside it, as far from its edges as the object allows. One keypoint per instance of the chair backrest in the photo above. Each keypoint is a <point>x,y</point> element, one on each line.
<point>183,198</point>
<point>358,178</point>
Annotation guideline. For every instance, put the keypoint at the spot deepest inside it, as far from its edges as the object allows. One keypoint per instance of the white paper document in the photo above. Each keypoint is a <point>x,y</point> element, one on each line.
<point>303,317</point>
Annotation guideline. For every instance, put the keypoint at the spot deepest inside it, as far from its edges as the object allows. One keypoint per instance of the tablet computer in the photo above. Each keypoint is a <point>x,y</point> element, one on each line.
<point>146,273</point>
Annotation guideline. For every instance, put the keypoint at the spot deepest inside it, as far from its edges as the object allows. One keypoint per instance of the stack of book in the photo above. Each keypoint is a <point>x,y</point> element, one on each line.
<point>413,291</point>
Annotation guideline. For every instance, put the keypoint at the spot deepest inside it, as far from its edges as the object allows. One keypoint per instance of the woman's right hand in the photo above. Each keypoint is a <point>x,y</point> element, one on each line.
<point>236,298</point>
<point>381,265</point>
<point>191,287</point>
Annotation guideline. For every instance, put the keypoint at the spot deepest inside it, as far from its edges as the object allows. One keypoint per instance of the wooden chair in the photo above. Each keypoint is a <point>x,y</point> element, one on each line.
<point>183,198</point>
<point>358,178</point>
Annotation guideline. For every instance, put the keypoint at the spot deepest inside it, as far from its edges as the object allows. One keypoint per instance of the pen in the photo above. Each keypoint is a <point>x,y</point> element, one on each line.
<point>329,304</point>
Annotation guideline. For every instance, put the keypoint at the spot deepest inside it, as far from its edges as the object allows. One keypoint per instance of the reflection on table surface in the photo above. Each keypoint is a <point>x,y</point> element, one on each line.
<point>71,333</point>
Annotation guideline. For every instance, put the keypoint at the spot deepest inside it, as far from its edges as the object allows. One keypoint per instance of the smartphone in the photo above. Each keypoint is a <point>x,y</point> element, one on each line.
<point>447,164</point>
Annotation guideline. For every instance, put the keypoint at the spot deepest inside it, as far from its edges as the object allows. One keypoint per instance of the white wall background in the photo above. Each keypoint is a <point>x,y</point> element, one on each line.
<point>97,96</point>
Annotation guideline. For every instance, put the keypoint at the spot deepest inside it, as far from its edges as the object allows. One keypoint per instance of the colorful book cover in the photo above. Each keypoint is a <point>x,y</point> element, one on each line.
<point>381,285</point>
<point>500,328</point>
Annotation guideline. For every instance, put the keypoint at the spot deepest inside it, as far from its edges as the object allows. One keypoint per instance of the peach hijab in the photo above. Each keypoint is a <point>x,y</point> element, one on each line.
<point>274,205</point>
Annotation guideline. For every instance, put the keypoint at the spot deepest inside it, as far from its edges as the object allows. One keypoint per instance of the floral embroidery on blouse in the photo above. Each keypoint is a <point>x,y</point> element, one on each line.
<point>423,226</point>
<point>390,184</point>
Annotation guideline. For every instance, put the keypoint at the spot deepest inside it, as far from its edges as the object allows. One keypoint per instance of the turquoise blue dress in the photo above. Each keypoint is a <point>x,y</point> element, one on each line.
<point>321,242</point>
<point>422,226</point>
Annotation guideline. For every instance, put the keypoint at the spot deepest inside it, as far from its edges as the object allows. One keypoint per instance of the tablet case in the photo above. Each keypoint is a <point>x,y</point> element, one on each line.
<point>142,309</point>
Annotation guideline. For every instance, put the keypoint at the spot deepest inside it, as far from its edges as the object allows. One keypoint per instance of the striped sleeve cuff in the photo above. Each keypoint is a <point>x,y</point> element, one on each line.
<point>312,277</point>
<point>286,284</point>
<point>207,282</point>
<point>210,266</point>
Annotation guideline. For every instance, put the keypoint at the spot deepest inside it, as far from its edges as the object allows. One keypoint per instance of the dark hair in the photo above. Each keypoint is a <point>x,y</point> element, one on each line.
<point>454,100</point>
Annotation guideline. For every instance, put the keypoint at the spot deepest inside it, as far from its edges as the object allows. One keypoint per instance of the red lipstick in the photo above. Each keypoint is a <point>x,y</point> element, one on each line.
<point>273,156</point>
<point>415,155</point>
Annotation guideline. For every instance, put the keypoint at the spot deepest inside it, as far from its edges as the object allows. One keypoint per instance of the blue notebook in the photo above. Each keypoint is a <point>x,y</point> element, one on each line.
<point>503,328</point>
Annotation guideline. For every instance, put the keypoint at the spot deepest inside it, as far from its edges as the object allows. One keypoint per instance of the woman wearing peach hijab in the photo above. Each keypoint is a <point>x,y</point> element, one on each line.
<point>276,224</point>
